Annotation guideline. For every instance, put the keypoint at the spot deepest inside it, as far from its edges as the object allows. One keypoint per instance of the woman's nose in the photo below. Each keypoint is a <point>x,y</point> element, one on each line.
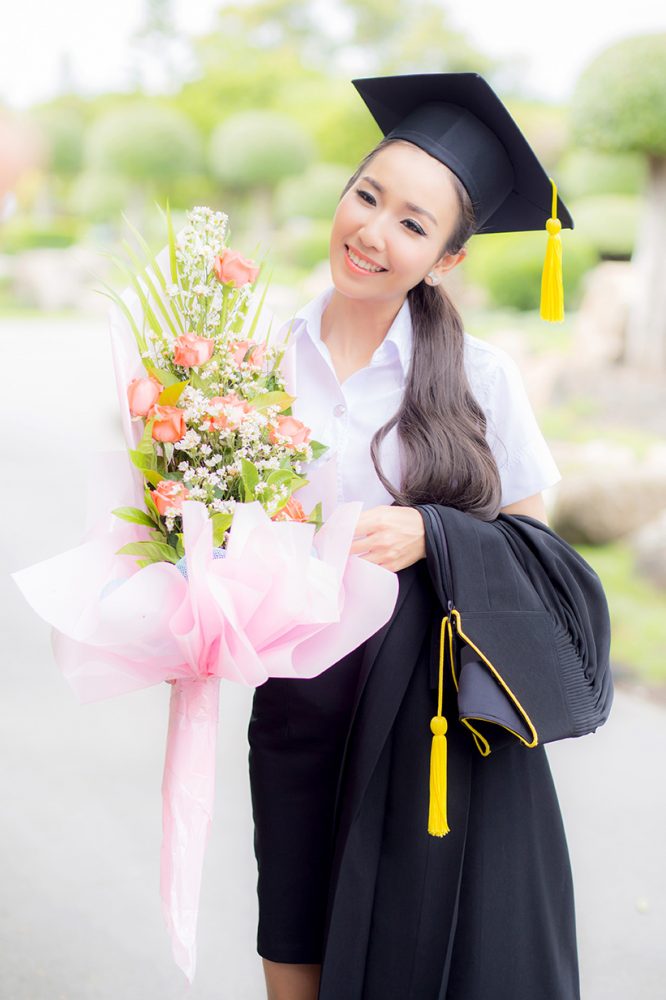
<point>371,236</point>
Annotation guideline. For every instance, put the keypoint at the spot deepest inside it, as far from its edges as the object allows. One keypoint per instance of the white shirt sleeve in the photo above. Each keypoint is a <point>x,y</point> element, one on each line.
<point>526,465</point>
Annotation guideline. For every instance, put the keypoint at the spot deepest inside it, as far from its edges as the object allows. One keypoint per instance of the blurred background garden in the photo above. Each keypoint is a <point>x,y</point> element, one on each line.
<point>255,115</point>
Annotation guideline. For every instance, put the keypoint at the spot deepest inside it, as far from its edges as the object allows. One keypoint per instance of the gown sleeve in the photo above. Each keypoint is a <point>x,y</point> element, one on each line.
<point>530,631</point>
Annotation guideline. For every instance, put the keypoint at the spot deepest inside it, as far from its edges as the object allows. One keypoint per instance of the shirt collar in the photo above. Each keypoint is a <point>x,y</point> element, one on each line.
<point>398,337</point>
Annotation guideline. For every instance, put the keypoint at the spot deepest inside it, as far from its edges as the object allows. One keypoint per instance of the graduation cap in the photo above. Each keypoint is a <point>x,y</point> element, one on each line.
<point>460,120</point>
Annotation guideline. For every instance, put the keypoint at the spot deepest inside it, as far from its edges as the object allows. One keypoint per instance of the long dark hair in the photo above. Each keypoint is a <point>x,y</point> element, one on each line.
<point>445,457</point>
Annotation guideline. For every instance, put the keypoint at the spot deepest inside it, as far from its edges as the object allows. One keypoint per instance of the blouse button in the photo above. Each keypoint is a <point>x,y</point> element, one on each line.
<point>340,410</point>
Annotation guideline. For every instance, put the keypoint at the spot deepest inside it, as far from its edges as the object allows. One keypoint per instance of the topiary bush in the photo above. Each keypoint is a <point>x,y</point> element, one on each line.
<point>509,265</point>
<point>609,222</point>
<point>312,195</point>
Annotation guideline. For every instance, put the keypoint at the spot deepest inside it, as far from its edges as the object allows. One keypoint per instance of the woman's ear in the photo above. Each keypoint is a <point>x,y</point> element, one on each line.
<point>444,264</point>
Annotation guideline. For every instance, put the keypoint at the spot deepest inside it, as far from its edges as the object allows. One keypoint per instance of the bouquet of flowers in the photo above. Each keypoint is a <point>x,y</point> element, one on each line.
<point>200,563</point>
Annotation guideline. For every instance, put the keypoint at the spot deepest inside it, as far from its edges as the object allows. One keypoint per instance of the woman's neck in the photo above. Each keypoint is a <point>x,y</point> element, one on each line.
<point>353,329</point>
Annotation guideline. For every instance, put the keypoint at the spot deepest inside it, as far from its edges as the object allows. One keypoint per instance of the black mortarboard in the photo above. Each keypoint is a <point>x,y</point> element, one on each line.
<point>459,119</point>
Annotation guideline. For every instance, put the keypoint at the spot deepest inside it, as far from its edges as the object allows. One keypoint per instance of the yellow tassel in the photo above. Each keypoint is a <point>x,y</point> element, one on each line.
<point>437,822</point>
<point>552,288</point>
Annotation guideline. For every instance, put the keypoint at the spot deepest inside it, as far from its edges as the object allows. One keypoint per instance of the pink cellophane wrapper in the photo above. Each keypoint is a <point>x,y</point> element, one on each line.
<point>284,602</point>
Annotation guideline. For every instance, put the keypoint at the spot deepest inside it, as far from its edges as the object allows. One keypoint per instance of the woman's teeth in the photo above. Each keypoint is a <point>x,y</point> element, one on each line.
<point>363,263</point>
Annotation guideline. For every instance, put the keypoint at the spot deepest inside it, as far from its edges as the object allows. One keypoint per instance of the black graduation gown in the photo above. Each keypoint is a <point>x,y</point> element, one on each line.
<point>487,910</point>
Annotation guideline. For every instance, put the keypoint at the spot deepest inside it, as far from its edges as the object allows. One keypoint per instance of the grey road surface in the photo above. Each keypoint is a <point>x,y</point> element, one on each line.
<point>80,914</point>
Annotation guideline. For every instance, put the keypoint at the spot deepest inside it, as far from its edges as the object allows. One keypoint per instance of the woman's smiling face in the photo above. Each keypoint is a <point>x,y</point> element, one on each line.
<point>389,228</point>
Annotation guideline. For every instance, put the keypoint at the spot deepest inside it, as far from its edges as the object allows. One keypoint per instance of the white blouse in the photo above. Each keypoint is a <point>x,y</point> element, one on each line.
<point>344,416</point>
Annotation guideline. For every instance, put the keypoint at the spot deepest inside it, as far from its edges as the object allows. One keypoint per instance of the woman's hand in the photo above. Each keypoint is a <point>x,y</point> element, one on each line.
<point>392,537</point>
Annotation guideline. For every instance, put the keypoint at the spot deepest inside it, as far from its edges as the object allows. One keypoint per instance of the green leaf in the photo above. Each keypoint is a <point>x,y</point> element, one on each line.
<point>260,306</point>
<point>250,478</point>
<point>180,548</point>
<point>280,477</point>
<point>316,516</point>
<point>150,503</point>
<point>154,477</point>
<point>221,523</point>
<point>134,516</point>
<point>162,301</point>
<point>173,263</point>
<point>155,551</point>
<point>317,448</point>
<point>266,399</point>
<point>124,308</point>
<point>171,395</point>
<point>161,374</point>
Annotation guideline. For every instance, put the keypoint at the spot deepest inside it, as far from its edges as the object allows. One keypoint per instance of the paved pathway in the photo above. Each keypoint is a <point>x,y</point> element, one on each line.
<point>80,786</point>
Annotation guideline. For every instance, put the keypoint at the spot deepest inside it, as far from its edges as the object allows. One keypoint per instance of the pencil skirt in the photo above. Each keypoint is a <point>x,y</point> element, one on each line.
<point>296,737</point>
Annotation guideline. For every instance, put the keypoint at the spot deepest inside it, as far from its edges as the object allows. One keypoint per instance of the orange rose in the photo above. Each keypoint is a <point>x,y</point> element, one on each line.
<point>231,268</point>
<point>169,423</point>
<point>297,433</point>
<point>225,412</point>
<point>169,495</point>
<point>292,511</point>
<point>239,348</point>
<point>190,350</point>
<point>142,393</point>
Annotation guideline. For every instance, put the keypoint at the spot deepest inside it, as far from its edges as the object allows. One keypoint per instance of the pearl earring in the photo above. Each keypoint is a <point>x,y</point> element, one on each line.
<point>434,278</point>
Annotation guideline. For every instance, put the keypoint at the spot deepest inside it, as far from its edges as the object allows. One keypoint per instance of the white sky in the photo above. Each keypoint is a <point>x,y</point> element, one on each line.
<point>37,35</point>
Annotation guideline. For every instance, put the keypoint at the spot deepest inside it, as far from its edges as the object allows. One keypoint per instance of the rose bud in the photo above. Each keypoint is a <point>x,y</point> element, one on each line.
<point>141,394</point>
<point>225,412</point>
<point>231,268</point>
<point>190,350</point>
<point>292,511</point>
<point>169,495</point>
<point>239,348</point>
<point>169,423</point>
<point>297,433</point>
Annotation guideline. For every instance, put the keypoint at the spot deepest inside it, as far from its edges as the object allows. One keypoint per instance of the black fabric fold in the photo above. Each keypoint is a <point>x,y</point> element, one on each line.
<point>537,612</point>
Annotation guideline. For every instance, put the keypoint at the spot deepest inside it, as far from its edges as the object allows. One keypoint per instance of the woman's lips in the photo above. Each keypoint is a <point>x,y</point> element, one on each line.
<point>356,268</point>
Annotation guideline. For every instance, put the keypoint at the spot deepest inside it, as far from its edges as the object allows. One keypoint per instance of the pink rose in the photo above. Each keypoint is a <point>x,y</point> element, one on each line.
<point>292,511</point>
<point>169,494</point>
<point>190,350</point>
<point>239,348</point>
<point>225,412</point>
<point>142,393</point>
<point>231,268</point>
<point>297,433</point>
<point>169,423</point>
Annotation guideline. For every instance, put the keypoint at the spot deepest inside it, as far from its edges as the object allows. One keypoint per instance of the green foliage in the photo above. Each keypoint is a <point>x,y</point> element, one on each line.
<point>509,266</point>
<point>619,104</point>
<point>23,234</point>
<point>583,172</point>
<point>638,624</point>
<point>258,149</point>
<point>545,126</point>
<point>98,196</point>
<point>306,246</point>
<point>62,129</point>
<point>609,223</point>
<point>313,195</point>
<point>144,142</point>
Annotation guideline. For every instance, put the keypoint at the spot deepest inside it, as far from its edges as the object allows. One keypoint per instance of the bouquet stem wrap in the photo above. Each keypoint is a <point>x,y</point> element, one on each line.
<point>284,602</point>
<point>188,789</point>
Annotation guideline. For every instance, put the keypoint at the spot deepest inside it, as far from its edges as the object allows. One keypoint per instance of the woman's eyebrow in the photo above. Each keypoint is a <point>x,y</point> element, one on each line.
<point>408,204</point>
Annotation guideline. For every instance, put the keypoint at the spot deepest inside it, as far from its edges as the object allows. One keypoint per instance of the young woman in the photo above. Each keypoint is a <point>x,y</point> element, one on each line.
<point>415,411</point>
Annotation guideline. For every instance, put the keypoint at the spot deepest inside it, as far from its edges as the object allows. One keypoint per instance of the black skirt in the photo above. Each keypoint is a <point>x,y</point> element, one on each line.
<point>297,734</point>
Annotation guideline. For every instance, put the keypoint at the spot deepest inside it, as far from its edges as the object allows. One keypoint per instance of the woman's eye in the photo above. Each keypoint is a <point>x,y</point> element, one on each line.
<point>365,195</point>
<point>414,226</point>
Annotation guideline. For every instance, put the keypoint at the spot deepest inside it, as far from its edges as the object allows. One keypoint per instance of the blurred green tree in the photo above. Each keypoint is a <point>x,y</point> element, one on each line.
<point>252,151</point>
<point>149,145</point>
<point>619,105</point>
